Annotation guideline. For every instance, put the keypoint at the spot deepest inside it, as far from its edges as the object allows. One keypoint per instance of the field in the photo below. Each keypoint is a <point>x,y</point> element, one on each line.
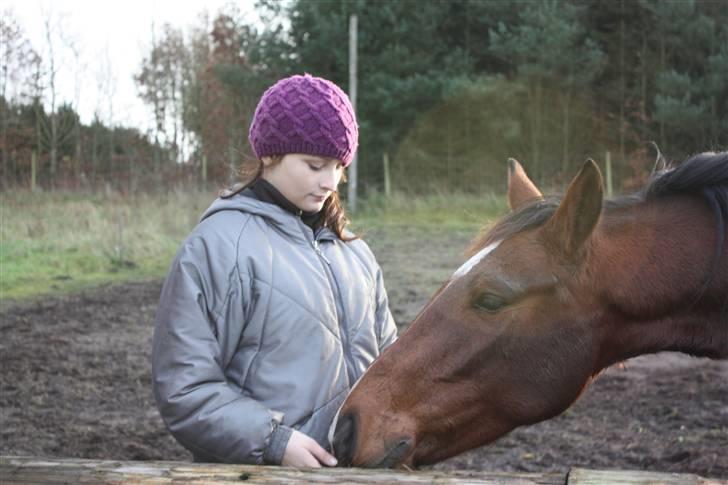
<point>75,378</point>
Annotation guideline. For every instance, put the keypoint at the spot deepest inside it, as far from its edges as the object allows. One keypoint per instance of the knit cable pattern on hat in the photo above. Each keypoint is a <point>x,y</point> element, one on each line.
<point>305,114</point>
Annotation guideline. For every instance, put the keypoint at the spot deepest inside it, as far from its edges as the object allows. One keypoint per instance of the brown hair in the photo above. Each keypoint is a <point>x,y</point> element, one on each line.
<point>334,214</point>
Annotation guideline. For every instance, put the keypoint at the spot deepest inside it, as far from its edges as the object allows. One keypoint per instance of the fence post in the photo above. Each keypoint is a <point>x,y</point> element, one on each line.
<point>608,165</point>
<point>352,96</point>
<point>33,170</point>
<point>204,171</point>
<point>231,161</point>
<point>387,181</point>
<point>119,247</point>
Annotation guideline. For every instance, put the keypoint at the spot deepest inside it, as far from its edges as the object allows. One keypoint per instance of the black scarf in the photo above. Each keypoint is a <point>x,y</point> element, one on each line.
<point>264,191</point>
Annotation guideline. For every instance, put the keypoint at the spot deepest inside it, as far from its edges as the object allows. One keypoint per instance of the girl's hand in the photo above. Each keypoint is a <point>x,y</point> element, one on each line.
<point>303,451</point>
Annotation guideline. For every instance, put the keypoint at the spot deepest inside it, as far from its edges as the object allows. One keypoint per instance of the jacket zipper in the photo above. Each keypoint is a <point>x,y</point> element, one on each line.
<point>341,313</point>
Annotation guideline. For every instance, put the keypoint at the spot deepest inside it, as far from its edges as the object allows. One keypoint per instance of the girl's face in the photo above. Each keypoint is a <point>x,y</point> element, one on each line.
<point>305,180</point>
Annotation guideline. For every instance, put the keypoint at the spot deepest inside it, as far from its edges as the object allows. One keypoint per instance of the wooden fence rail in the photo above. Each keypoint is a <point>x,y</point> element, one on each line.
<point>16,469</point>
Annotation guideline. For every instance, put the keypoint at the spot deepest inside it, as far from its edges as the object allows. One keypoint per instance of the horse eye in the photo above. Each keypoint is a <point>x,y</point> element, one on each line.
<point>490,302</point>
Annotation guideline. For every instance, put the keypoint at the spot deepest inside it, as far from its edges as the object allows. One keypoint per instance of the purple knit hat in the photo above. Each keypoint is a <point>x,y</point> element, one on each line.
<point>305,114</point>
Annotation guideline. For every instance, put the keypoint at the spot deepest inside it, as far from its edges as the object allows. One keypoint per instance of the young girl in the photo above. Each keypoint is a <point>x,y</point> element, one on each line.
<point>271,311</point>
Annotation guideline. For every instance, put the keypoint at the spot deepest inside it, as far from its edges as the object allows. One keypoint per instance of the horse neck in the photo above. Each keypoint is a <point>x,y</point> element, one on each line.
<point>651,265</point>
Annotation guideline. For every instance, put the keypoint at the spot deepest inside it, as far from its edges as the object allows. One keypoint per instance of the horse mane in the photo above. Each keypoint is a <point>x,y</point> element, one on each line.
<point>704,175</point>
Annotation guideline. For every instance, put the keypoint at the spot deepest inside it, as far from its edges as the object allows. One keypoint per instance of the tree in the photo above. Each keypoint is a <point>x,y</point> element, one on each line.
<point>162,83</point>
<point>227,105</point>
<point>17,64</point>
<point>232,62</point>
<point>549,47</point>
<point>54,133</point>
<point>717,88</point>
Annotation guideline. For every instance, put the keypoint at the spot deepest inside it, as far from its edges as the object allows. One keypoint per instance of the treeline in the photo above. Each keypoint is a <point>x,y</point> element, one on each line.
<point>447,91</point>
<point>82,157</point>
<point>44,144</point>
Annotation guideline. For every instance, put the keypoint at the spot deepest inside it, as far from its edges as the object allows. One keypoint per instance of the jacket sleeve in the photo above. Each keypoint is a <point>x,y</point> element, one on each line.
<point>386,326</point>
<point>205,412</point>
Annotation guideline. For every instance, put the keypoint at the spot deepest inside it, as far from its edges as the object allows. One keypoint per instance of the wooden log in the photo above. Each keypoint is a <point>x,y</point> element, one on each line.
<point>16,470</point>
<point>582,476</point>
<point>21,470</point>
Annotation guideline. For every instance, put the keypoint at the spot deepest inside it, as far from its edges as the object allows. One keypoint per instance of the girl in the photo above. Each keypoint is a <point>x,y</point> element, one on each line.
<point>271,311</point>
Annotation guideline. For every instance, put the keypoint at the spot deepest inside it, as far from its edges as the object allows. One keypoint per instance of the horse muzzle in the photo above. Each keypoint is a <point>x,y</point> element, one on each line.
<point>378,453</point>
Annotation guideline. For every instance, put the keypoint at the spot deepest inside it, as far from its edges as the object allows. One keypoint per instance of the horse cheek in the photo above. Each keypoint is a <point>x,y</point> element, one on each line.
<point>549,365</point>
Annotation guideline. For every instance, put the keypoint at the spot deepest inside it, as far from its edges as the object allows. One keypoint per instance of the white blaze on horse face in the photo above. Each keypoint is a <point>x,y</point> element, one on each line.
<point>477,258</point>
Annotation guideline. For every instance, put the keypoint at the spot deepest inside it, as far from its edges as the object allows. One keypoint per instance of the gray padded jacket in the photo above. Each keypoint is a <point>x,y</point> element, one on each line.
<point>262,328</point>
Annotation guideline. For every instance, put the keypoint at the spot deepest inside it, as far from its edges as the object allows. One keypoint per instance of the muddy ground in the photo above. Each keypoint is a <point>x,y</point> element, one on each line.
<point>75,382</point>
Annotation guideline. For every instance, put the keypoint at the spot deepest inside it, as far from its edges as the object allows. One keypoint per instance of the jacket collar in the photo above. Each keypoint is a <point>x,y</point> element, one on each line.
<point>281,219</point>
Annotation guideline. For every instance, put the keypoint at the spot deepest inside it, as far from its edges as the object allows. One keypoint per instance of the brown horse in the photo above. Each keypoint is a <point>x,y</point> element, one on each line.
<point>552,294</point>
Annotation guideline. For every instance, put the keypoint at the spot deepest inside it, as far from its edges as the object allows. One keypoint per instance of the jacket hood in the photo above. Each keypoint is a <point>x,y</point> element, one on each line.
<point>281,219</point>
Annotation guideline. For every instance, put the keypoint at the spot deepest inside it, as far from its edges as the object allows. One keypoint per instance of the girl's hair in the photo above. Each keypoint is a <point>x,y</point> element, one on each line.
<point>334,214</point>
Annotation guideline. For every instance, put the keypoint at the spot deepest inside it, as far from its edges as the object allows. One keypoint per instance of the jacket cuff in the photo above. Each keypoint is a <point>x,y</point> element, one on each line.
<point>277,445</point>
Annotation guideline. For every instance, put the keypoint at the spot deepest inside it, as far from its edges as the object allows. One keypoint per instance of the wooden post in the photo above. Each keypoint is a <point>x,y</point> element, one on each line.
<point>387,181</point>
<point>608,167</point>
<point>119,247</point>
<point>204,171</point>
<point>352,97</point>
<point>231,161</point>
<point>33,171</point>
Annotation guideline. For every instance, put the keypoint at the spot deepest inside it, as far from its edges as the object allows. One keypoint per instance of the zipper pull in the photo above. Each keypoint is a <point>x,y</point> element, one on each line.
<point>319,252</point>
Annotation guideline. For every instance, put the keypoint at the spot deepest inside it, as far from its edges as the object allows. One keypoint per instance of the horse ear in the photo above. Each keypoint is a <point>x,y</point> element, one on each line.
<point>578,213</point>
<point>520,188</point>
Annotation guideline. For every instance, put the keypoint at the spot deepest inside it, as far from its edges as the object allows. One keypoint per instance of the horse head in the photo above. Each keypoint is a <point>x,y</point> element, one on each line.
<point>553,293</point>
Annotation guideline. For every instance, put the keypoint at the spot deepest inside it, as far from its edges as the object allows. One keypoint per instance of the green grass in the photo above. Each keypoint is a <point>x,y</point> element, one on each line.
<point>438,210</point>
<point>61,242</point>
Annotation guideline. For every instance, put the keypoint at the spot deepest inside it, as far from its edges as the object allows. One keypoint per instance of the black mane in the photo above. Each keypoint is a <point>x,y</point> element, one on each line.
<point>706,175</point>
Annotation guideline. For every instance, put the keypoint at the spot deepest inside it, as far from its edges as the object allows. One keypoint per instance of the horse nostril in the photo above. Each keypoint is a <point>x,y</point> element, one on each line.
<point>345,439</point>
<point>396,454</point>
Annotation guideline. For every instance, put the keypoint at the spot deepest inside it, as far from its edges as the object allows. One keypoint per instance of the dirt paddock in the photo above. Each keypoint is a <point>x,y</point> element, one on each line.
<point>75,382</point>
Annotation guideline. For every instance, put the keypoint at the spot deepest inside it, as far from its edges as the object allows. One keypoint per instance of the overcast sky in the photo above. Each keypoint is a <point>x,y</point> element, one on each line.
<point>123,28</point>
